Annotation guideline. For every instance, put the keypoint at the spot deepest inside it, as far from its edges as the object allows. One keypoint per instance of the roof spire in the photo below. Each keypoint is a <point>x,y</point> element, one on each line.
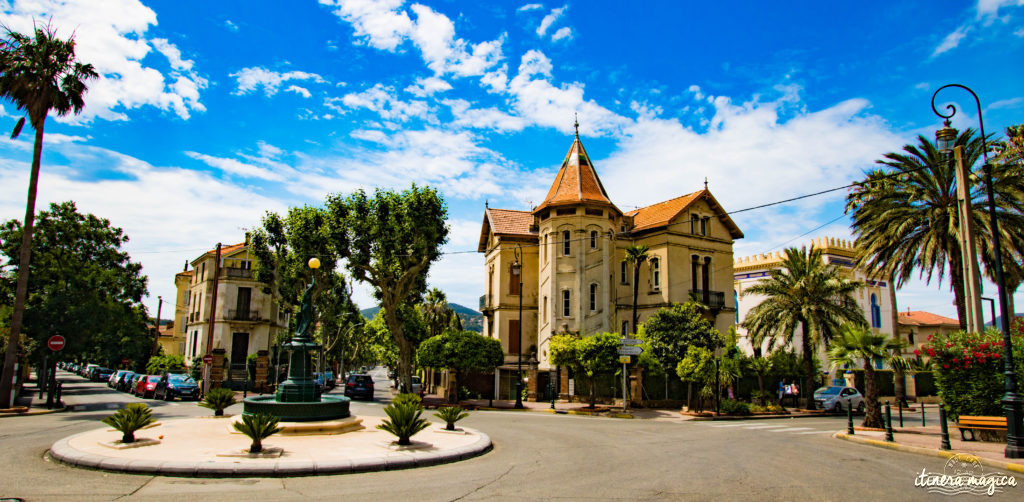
<point>576,124</point>
<point>705,183</point>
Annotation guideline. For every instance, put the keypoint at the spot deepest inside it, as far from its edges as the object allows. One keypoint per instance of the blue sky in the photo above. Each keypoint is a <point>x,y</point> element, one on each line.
<point>210,113</point>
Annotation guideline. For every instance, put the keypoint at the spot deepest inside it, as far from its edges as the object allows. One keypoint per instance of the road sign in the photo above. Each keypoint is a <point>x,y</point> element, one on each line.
<point>631,341</point>
<point>55,343</point>
<point>624,359</point>
<point>207,359</point>
<point>630,351</point>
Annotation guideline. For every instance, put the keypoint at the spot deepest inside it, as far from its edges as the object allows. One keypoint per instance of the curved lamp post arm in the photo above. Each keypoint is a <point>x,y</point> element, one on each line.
<point>952,111</point>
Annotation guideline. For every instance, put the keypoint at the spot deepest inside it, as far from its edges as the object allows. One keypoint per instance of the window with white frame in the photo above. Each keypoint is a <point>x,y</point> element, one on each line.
<point>566,302</point>
<point>656,273</point>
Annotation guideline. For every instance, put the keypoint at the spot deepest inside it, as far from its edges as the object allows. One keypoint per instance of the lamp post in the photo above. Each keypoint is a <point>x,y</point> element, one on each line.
<point>517,271</point>
<point>945,138</point>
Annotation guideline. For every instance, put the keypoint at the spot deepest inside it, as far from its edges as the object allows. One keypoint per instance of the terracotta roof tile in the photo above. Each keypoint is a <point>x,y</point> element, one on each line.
<point>661,213</point>
<point>922,318</point>
<point>510,221</point>
<point>576,181</point>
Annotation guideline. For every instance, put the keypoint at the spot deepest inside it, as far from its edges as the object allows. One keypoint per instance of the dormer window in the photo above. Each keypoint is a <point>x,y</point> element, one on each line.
<point>694,224</point>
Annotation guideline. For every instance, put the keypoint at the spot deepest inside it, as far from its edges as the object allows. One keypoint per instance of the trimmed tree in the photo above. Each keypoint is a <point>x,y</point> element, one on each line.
<point>589,356</point>
<point>671,331</point>
<point>459,352</point>
<point>390,241</point>
<point>856,343</point>
<point>637,256</point>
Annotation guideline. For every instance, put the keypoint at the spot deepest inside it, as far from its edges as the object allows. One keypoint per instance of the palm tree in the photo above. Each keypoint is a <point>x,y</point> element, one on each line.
<point>856,343</point>
<point>436,311</point>
<point>38,74</point>
<point>636,255</point>
<point>905,217</point>
<point>804,292</point>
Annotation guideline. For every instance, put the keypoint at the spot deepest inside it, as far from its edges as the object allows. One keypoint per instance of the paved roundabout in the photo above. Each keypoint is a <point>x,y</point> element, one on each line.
<point>209,447</point>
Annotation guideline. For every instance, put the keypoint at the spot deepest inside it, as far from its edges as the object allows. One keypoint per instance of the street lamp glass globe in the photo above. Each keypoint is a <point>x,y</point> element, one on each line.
<point>314,263</point>
<point>945,138</point>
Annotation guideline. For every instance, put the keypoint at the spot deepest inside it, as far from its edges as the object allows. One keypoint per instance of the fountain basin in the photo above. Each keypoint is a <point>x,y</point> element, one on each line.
<point>328,408</point>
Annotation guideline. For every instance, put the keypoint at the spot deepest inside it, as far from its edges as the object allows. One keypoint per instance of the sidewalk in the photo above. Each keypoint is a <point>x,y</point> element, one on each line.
<point>927,441</point>
<point>29,403</point>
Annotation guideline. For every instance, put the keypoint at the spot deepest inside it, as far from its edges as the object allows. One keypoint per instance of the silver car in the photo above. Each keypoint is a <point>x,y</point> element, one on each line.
<point>838,399</point>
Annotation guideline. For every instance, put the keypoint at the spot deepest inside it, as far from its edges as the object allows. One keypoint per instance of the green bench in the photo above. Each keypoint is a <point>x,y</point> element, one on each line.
<point>970,424</point>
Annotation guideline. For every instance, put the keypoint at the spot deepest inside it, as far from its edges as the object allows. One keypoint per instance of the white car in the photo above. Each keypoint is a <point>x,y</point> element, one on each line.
<point>838,399</point>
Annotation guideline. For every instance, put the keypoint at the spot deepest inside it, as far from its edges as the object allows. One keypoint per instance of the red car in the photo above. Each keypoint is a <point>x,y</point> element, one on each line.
<point>146,386</point>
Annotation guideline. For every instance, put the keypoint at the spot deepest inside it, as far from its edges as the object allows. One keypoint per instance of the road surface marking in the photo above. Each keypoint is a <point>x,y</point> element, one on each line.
<point>815,432</point>
<point>764,427</point>
<point>791,429</point>
<point>730,425</point>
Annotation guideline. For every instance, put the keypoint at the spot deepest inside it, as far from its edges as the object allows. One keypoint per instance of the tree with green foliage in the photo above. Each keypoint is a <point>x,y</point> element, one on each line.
<point>856,343</point>
<point>805,293</point>
<point>258,427</point>
<point>129,419</point>
<point>38,74</point>
<point>588,356</point>
<point>376,345</point>
<point>340,330</point>
<point>83,286</point>
<point>460,352</point>
<point>158,365</point>
<point>671,331</point>
<point>636,255</point>
<point>389,241</point>
<point>906,218</point>
<point>698,366</point>
<point>436,312</point>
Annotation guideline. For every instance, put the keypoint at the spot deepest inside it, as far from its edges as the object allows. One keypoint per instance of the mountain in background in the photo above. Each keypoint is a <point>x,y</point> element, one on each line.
<point>471,319</point>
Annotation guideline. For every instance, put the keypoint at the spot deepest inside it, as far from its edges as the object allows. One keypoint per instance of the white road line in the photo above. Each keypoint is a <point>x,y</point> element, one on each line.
<point>791,429</point>
<point>815,432</point>
<point>764,427</point>
<point>730,425</point>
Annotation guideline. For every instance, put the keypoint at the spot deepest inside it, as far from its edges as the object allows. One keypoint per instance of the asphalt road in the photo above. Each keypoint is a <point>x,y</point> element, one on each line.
<point>537,456</point>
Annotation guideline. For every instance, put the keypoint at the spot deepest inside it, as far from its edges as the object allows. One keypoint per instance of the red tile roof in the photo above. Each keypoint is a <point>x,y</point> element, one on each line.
<point>508,222</point>
<point>662,213</point>
<point>922,318</point>
<point>576,181</point>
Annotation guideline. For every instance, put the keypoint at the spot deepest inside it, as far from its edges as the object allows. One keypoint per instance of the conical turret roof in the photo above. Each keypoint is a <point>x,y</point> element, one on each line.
<point>576,181</point>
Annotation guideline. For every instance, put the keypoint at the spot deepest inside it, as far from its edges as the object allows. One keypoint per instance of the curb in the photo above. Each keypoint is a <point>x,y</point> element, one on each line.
<point>562,412</point>
<point>930,452</point>
<point>34,413</point>
<point>750,417</point>
<point>63,452</point>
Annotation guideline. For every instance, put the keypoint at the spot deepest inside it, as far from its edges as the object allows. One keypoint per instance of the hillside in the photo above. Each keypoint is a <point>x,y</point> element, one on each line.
<point>471,319</point>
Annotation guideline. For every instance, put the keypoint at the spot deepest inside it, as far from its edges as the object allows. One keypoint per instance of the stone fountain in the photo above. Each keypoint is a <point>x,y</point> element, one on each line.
<point>298,398</point>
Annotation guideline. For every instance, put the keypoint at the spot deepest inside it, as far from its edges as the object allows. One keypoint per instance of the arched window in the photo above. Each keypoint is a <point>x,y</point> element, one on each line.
<point>566,302</point>
<point>876,312</point>
<point>566,246</point>
<point>656,273</point>
<point>544,250</point>
<point>624,273</point>
<point>593,239</point>
<point>704,225</point>
<point>544,308</point>
<point>593,297</point>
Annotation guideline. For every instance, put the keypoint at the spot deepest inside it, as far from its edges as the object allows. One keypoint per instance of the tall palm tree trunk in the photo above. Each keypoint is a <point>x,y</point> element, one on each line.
<point>21,290</point>
<point>956,276</point>
<point>636,291</point>
<point>805,346</point>
<point>872,414</point>
<point>899,374</point>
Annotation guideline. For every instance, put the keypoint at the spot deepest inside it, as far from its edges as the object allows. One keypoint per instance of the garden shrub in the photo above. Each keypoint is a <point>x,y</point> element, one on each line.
<point>450,415</point>
<point>258,427</point>
<point>732,407</point>
<point>968,369</point>
<point>129,419</point>
<point>407,398</point>
<point>218,399</point>
<point>404,421</point>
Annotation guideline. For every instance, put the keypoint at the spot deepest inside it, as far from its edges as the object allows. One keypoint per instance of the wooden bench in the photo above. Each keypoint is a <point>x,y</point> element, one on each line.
<point>971,424</point>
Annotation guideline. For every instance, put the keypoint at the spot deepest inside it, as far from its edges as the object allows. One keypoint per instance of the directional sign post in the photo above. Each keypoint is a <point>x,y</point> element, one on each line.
<point>630,350</point>
<point>631,341</point>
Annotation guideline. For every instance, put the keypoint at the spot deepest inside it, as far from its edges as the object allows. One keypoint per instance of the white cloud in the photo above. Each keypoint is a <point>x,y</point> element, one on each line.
<point>428,86</point>
<point>565,32</point>
<point>550,19</point>
<point>232,166</point>
<point>376,23</point>
<point>1019,32</point>
<point>112,36</point>
<point>952,40</point>
<point>529,7</point>
<point>231,26</point>
<point>249,79</point>
<point>382,100</point>
<point>301,91</point>
<point>483,118</point>
<point>989,9</point>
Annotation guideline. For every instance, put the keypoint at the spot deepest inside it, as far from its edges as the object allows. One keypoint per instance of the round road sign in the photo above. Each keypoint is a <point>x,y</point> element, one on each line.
<point>55,343</point>
<point>208,359</point>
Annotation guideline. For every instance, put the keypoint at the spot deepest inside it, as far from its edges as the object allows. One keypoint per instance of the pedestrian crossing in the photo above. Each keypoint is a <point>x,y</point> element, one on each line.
<point>773,428</point>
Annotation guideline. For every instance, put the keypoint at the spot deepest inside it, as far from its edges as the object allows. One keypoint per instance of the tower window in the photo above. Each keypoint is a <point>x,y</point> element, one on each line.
<point>624,273</point>
<point>566,243</point>
<point>566,302</point>
<point>593,297</point>
<point>593,239</point>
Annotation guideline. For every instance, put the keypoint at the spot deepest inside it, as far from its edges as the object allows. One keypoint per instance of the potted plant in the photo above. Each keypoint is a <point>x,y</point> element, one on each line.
<point>129,419</point>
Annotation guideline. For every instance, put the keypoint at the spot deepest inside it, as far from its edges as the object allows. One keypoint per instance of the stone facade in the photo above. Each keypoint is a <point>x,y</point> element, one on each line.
<point>571,248</point>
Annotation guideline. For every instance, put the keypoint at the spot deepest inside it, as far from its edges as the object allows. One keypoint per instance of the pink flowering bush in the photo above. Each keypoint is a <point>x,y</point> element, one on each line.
<point>969,368</point>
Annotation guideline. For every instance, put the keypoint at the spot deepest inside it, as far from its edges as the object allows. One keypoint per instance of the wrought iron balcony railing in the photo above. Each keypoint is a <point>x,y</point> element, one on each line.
<point>713,299</point>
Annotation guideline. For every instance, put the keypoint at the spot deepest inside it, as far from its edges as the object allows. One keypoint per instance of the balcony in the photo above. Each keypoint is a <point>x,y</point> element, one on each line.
<point>239,273</point>
<point>243,315</point>
<point>483,302</point>
<point>712,299</point>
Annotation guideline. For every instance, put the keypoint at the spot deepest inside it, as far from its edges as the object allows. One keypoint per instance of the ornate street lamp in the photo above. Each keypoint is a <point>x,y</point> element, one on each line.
<point>1011,401</point>
<point>517,271</point>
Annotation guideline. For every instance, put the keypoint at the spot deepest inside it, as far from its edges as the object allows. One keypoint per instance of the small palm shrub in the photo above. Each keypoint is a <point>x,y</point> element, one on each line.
<point>406,399</point>
<point>258,427</point>
<point>129,419</point>
<point>451,414</point>
<point>217,400</point>
<point>404,421</point>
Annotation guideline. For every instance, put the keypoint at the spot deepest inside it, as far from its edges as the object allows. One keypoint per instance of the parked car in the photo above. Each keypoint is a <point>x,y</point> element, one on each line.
<point>172,385</point>
<point>359,385</point>
<point>115,377</point>
<point>130,386</point>
<point>100,374</point>
<point>124,383</point>
<point>145,386</point>
<point>838,399</point>
<point>87,370</point>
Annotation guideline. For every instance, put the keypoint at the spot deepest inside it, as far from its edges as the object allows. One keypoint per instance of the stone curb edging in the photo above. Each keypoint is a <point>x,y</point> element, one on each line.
<point>753,417</point>
<point>63,452</point>
<point>929,452</point>
<point>34,413</point>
